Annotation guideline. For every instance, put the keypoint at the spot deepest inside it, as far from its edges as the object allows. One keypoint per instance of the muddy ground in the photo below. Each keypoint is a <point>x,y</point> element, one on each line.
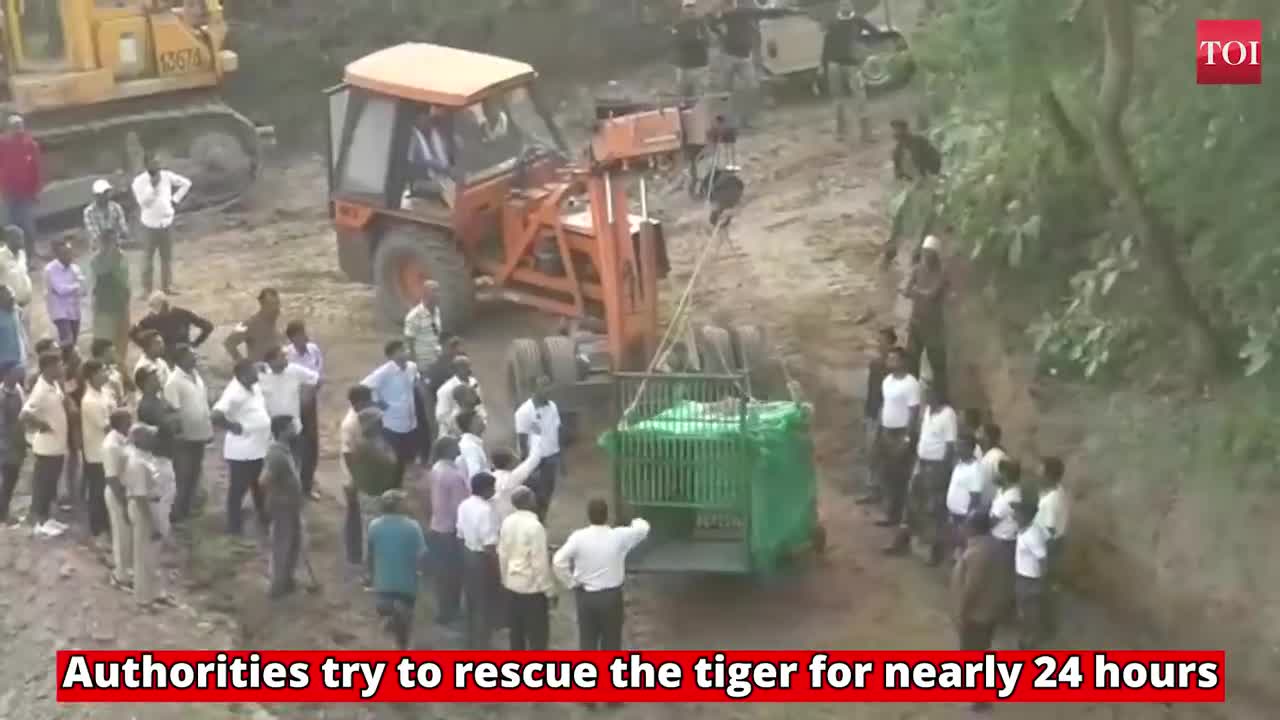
<point>801,261</point>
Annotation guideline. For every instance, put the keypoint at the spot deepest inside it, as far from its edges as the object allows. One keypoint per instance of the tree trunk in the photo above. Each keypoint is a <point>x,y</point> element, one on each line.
<point>1118,170</point>
<point>1072,137</point>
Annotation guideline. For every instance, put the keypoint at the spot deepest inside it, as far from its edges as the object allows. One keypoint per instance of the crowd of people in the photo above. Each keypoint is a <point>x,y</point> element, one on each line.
<point>126,448</point>
<point>945,481</point>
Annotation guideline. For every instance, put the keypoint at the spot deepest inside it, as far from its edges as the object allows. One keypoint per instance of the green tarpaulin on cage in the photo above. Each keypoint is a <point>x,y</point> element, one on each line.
<point>720,470</point>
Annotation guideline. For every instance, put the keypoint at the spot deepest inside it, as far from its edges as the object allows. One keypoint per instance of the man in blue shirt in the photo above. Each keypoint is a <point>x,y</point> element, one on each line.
<point>395,550</point>
<point>395,385</point>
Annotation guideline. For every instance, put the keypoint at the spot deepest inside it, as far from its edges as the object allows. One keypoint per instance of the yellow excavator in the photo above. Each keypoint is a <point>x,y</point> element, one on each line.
<point>102,82</point>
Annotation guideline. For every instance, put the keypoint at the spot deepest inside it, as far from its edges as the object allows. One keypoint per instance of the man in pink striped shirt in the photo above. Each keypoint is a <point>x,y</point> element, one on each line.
<point>448,487</point>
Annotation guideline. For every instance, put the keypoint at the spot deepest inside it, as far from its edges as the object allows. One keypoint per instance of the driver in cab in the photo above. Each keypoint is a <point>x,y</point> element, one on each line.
<point>429,156</point>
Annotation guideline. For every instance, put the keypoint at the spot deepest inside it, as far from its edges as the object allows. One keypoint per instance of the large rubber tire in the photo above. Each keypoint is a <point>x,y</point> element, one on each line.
<point>409,254</point>
<point>751,355</point>
<point>889,64</point>
<point>560,360</point>
<point>715,350</point>
<point>523,368</point>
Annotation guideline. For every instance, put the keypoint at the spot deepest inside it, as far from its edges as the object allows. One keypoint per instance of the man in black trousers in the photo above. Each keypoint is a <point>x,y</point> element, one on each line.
<point>593,563</point>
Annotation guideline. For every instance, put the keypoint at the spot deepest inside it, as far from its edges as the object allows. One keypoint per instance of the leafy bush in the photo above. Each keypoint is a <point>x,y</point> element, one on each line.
<point>1016,83</point>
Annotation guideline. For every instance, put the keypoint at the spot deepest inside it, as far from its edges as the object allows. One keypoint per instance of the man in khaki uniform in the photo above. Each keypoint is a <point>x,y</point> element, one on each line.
<point>980,599</point>
<point>145,478</point>
<point>260,332</point>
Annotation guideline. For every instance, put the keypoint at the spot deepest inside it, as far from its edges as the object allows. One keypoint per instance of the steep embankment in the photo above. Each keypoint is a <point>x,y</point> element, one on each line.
<point>1174,502</point>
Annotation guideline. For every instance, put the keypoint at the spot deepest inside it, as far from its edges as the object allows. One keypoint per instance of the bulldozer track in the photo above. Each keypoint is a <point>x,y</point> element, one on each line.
<point>63,131</point>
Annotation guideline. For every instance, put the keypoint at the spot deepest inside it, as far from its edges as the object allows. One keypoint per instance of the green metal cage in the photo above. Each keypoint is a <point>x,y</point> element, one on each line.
<point>727,483</point>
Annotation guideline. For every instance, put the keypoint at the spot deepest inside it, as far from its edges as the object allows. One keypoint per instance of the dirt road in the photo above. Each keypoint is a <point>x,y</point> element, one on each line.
<point>801,262</point>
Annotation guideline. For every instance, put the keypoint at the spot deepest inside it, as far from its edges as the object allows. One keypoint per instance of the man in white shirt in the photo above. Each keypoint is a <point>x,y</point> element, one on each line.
<point>1004,516</point>
<point>447,403</point>
<point>935,454</point>
<point>422,337</point>
<point>992,455</point>
<point>510,473</point>
<point>95,420</point>
<point>395,385</point>
<point>301,351</point>
<point>287,388</point>
<point>537,424</point>
<point>964,491</point>
<point>1052,511</point>
<point>186,392</point>
<point>474,459</point>
<point>899,417</point>
<point>1030,559</point>
<point>157,192</point>
<point>592,562</point>
<point>525,571</point>
<point>45,416</point>
<point>478,531</point>
<point>242,412</point>
<point>1052,514</point>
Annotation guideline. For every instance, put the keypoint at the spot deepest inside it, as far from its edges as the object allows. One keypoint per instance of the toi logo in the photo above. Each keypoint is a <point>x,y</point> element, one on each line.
<point>1228,52</point>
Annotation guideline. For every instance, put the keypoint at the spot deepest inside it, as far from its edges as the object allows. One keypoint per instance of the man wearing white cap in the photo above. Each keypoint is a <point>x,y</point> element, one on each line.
<point>927,290</point>
<point>104,214</point>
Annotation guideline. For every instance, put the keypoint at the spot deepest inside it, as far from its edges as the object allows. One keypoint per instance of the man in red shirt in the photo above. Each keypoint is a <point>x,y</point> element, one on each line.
<point>20,179</point>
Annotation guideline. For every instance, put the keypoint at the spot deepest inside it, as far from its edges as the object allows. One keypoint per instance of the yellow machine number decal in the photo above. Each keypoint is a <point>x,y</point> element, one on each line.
<point>178,61</point>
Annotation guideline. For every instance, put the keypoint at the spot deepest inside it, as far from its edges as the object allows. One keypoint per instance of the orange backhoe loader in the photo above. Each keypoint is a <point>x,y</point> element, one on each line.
<point>444,164</point>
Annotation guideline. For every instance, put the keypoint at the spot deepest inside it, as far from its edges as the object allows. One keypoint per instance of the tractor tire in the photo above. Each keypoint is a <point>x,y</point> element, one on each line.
<point>752,356</point>
<point>889,64</point>
<point>715,350</point>
<point>524,367</point>
<point>560,359</point>
<point>409,254</point>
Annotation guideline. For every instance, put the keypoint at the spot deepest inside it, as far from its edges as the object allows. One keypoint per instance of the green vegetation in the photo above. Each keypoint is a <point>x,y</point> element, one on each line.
<point>1126,209</point>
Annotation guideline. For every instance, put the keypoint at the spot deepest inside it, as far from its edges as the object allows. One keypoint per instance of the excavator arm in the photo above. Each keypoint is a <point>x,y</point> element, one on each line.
<point>630,263</point>
<point>643,138</point>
